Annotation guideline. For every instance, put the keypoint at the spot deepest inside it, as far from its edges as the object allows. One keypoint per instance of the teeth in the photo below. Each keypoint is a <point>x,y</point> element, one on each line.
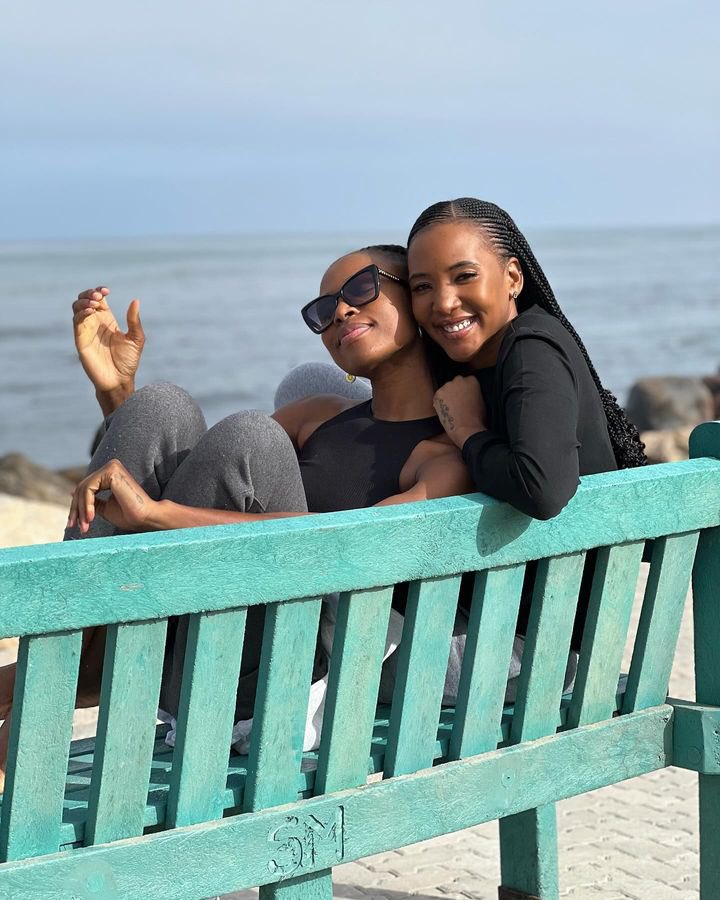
<point>458,326</point>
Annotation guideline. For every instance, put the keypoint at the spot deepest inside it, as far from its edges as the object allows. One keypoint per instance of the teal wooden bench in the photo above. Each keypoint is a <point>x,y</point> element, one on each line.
<point>125,816</point>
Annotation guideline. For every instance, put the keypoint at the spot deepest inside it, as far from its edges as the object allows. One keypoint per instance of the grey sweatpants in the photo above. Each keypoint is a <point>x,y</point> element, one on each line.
<point>246,462</point>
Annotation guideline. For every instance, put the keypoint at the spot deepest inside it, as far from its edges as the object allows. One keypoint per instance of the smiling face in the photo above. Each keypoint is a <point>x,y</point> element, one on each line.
<point>361,338</point>
<point>462,290</point>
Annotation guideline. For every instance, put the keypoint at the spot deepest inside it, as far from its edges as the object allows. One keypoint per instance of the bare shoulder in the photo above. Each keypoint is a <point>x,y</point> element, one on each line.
<point>301,418</point>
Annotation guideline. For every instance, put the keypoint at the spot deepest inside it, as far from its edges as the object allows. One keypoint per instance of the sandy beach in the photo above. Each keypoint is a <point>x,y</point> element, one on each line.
<point>30,522</point>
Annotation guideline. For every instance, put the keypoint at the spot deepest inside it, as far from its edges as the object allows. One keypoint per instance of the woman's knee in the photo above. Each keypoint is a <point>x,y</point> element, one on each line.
<point>248,431</point>
<point>166,400</point>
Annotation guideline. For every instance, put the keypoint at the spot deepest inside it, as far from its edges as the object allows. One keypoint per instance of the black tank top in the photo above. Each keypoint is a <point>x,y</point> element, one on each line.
<point>354,460</point>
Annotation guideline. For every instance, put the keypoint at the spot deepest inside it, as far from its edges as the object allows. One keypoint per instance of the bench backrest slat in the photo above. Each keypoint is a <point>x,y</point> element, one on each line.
<point>420,680</point>
<point>660,618</point>
<point>547,645</point>
<point>125,730</point>
<point>488,648</point>
<point>606,627</point>
<point>355,665</point>
<point>40,734</point>
<point>205,717</point>
<point>276,746</point>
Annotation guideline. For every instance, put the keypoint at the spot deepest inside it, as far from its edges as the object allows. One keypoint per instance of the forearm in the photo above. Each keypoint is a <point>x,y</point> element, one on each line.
<point>167,515</point>
<point>539,486</point>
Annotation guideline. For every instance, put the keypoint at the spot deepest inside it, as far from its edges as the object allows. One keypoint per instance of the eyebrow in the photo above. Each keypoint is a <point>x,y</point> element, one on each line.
<point>457,265</point>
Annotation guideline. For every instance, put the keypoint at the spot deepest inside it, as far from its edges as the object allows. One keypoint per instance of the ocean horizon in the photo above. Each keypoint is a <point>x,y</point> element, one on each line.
<point>221,315</point>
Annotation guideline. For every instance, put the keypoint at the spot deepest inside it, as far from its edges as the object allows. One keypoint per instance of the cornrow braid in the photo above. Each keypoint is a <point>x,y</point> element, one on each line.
<point>508,241</point>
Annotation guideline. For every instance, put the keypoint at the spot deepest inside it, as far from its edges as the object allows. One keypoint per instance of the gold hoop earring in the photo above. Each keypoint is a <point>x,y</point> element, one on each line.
<point>349,378</point>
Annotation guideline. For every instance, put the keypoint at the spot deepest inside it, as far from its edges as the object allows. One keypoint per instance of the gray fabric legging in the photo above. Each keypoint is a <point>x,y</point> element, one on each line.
<point>246,462</point>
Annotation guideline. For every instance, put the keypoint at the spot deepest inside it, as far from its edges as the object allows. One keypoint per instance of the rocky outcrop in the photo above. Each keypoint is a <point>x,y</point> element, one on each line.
<point>658,404</point>
<point>21,477</point>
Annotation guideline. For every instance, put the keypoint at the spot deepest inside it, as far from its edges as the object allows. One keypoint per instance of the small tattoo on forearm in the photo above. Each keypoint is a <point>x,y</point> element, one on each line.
<point>445,417</point>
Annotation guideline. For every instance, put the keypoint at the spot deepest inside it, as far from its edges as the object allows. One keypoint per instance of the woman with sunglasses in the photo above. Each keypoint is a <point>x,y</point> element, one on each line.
<point>164,469</point>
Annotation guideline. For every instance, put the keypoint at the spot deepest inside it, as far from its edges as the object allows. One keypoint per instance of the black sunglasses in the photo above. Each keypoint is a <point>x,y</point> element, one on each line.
<point>361,288</point>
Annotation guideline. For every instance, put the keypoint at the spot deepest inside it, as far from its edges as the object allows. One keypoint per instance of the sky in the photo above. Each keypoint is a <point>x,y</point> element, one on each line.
<point>143,118</point>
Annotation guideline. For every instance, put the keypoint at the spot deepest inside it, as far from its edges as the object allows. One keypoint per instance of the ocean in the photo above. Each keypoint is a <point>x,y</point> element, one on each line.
<point>221,316</point>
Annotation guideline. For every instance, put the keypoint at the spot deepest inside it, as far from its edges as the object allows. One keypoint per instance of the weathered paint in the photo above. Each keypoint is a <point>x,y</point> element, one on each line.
<point>420,678</point>
<point>488,646</point>
<point>125,731</point>
<point>206,716</point>
<point>606,627</point>
<point>281,559</point>
<point>40,733</point>
<point>233,853</point>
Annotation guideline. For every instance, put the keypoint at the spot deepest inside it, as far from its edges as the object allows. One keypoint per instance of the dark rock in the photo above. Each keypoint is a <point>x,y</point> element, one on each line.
<point>21,477</point>
<point>656,404</point>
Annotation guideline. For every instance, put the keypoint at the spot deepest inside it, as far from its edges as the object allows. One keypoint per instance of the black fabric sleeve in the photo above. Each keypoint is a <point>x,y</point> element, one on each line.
<point>537,468</point>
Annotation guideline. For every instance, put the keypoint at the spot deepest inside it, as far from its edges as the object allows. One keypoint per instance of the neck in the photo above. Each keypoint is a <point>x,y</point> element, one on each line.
<point>403,387</point>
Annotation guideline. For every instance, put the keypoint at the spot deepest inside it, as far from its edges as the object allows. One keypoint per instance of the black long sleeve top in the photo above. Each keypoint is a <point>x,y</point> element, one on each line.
<point>546,423</point>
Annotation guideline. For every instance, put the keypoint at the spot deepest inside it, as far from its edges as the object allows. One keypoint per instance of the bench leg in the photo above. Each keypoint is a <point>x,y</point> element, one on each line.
<point>317,886</point>
<point>709,836</point>
<point>528,855</point>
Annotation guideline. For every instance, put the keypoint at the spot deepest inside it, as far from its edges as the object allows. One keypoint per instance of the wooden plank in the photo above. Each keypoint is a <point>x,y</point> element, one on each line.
<point>660,619</point>
<point>528,840</point>
<point>234,853</point>
<point>606,627</point>
<point>706,602</point>
<point>125,731</point>
<point>211,670</point>
<point>152,576</point>
<point>289,642</point>
<point>530,874</point>
<point>488,648</point>
<point>286,664</point>
<point>40,733</point>
<point>547,645</point>
<point>354,679</point>
<point>422,663</point>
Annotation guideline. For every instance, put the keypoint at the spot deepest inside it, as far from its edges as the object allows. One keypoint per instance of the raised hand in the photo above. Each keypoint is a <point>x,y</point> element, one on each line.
<point>128,506</point>
<point>109,356</point>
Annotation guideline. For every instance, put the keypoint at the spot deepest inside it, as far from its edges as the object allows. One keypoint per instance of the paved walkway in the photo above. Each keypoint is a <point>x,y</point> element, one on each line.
<point>631,841</point>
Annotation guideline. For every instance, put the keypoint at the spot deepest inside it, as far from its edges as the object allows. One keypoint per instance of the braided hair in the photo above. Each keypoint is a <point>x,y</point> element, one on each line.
<point>508,241</point>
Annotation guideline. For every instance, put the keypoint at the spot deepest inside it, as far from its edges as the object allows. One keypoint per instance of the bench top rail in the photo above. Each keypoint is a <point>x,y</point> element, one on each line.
<point>151,576</point>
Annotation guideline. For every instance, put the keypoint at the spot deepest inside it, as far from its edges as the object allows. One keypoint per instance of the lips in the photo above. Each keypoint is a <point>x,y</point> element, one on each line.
<point>456,328</point>
<point>354,332</point>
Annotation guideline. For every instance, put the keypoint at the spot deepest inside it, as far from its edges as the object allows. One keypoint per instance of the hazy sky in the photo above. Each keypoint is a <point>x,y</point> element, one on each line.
<point>176,117</point>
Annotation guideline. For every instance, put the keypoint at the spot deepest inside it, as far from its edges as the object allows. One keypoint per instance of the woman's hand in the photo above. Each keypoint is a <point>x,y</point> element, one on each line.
<point>109,356</point>
<point>128,507</point>
<point>461,408</point>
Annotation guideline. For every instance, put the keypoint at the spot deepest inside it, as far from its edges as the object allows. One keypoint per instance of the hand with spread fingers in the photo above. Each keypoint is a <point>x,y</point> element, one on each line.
<point>128,506</point>
<point>461,408</point>
<point>109,356</point>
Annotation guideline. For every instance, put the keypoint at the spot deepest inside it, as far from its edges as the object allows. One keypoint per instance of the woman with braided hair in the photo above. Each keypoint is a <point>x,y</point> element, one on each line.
<point>519,396</point>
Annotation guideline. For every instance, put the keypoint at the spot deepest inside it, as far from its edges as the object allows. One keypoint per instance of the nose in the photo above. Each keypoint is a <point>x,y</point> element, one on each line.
<point>344,310</point>
<point>445,298</point>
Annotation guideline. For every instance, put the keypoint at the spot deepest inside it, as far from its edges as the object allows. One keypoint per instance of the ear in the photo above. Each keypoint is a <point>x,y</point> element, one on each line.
<point>514,276</point>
